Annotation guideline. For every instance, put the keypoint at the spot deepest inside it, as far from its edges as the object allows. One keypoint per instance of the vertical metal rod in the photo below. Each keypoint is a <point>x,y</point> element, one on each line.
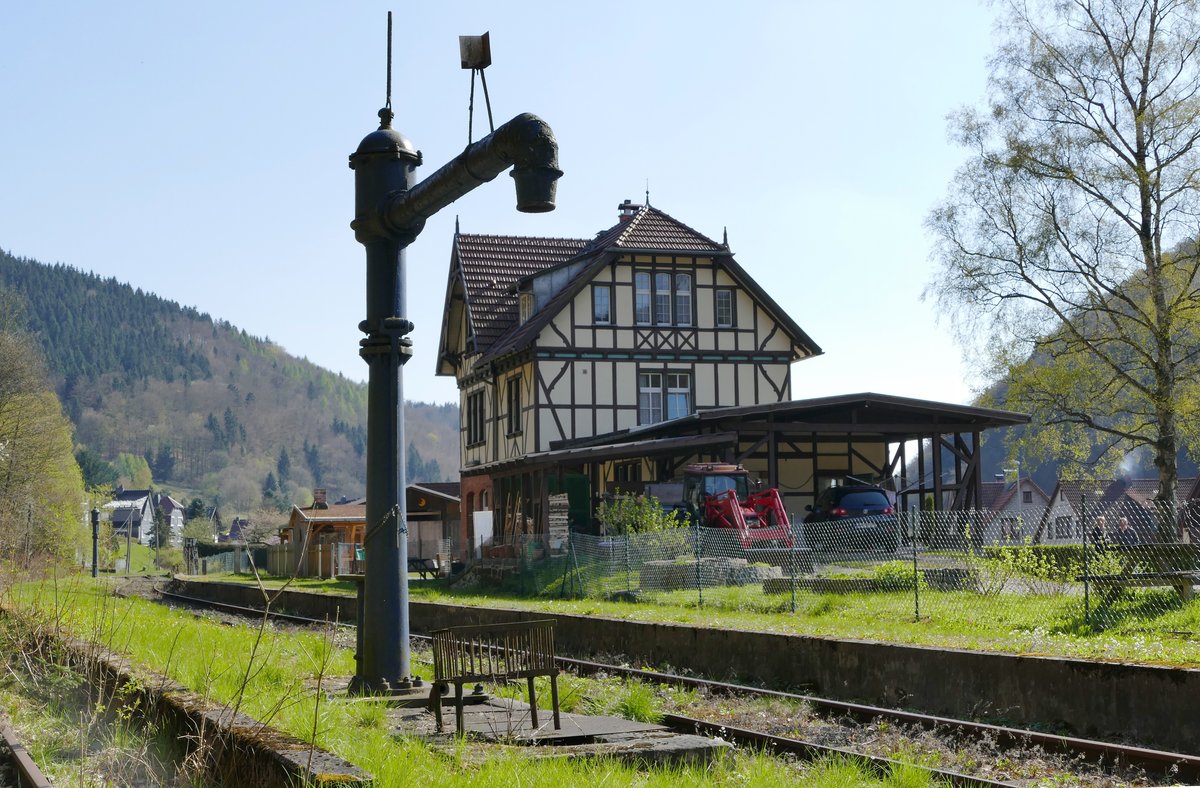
<point>628,567</point>
<point>486,100</point>
<point>916,573</point>
<point>389,62</point>
<point>95,542</point>
<point>792,555</point>
<point>1087,602</point>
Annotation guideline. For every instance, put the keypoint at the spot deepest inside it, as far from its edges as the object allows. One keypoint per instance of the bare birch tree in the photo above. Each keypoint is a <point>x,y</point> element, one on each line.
<point>1067,244</point>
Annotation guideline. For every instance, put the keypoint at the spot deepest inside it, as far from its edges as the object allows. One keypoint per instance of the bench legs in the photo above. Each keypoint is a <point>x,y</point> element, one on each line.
<point>435,699</point>
<point>458,707</point>
<point>554,699</point>
<point>532,704</point>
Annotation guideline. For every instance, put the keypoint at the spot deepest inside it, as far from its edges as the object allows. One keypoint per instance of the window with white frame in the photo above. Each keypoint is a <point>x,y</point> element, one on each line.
<point>602,304</point>
<point>662,298</point>
<point>525,301</point>
<point>679,394</point>
<point>683,299</point>
<point>650,395</point>
<point>641,298</point>
<point>663,395</point>
<point>724,307</point>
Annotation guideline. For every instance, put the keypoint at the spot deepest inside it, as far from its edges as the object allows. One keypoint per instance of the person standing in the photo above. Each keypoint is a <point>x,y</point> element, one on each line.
<point>1125,535</point>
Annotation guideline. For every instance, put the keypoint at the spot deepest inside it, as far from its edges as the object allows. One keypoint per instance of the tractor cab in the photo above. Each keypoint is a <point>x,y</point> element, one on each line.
<point>720,496</point>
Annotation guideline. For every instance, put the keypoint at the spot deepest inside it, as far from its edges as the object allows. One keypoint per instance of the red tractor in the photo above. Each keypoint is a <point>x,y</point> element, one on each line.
<point>720,495</point>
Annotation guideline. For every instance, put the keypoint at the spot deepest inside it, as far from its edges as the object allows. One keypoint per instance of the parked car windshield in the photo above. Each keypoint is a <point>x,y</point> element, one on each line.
<point>868,499</point>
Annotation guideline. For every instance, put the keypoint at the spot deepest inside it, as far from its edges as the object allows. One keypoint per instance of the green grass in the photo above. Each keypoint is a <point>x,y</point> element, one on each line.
<point>1151,626</point>
<point>271,676</point>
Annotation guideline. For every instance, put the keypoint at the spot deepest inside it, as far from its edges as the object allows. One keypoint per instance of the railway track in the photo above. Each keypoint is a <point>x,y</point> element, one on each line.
<point>1176,766</point>
<point>21,772</point>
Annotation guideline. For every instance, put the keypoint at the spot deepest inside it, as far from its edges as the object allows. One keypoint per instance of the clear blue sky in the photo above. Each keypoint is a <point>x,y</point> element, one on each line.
<point>198,151</point>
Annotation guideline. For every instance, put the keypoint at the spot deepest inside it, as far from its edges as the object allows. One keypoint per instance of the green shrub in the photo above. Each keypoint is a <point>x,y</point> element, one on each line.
<point>896,574</point>
<point>635,514</point>
<point>1041,569</point>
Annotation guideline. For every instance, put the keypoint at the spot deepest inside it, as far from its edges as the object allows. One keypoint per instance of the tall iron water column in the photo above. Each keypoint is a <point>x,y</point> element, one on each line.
<point>389,213</point>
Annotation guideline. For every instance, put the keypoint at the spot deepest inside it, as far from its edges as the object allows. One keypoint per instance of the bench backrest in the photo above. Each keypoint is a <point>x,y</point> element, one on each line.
<point>494,652</point>
<point>1155,557</point>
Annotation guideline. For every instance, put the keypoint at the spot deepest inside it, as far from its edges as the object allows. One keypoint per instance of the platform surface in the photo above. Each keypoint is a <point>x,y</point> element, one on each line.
<point>506,719</point>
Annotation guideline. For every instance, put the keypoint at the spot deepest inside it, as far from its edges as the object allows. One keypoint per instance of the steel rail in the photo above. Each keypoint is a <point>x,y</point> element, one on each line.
<point>1178,765</point>
<point>881,767</point>
<point>1159,761</point>
<point>28,773</point>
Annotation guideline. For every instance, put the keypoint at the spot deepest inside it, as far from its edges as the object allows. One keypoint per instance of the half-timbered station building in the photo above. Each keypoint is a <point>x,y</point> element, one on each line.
<point>588,365</point>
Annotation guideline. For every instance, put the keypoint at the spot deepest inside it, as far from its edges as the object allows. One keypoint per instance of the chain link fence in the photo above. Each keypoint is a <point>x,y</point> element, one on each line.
<point>1030,568</point>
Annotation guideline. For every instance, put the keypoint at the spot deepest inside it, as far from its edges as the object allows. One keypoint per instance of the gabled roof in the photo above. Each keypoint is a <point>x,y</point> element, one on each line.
<point>487,270</point>
<point>1003,493</point>
<point>1112,491</point>
<point>652,230</point>
<point>449,491</point>
<point>991,493</point>
<point>489,266</point>
<point>335,513</point>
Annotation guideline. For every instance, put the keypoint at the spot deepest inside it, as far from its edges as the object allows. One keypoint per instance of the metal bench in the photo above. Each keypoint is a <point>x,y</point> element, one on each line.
<point>493,653</point>
<point>423,566</point>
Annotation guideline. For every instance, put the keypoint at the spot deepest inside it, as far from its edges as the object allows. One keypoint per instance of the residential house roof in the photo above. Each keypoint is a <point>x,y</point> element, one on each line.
<point>334,513</point>
<point>991,494</point>
<point>487,270</point>
<point>1105,494</point>
<point>998,495</point>
<point>447,490</point>
<point>490,265</point>
<point>169,504</point>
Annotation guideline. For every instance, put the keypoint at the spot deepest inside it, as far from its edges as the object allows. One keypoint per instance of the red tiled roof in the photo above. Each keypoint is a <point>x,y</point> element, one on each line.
<point>492,264</point>
<point>650,228</point>
<point>990,493</point>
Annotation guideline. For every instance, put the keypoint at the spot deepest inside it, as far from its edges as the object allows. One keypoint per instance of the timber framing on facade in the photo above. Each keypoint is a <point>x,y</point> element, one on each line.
<point>588,366</point>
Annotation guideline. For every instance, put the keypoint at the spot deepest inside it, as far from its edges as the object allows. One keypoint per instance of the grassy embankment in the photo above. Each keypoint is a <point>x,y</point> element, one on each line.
<point>1147,626</point>
<point>276,677</point>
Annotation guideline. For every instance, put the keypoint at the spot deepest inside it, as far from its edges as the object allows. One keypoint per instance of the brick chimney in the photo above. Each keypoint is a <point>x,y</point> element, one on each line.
<point>319,501</point>
<point>627,209</point>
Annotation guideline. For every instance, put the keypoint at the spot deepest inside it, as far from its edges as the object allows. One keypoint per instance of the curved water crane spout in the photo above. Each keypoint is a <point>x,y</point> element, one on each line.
<point>526,143</point>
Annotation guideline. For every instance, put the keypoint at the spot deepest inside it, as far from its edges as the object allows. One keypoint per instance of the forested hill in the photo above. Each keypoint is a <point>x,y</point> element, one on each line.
<point>211,409</point>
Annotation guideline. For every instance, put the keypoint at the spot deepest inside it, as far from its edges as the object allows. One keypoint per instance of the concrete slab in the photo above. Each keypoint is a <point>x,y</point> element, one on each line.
<point>501,722</point>
<point>509,720</point>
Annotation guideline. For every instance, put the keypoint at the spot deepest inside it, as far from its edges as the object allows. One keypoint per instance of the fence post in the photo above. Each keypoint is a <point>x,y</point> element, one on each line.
<point>792,556</point>
<point>1087,602</point>
<point>915,528</point>
<point>699,579</point>
<point>628,568</point>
